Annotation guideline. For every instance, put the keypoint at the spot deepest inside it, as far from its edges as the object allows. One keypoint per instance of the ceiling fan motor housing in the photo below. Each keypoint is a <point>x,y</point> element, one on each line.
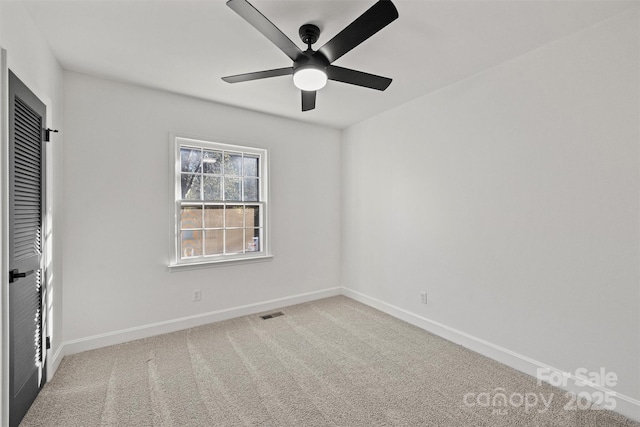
<point>311,60</point>
<point>309,34</point>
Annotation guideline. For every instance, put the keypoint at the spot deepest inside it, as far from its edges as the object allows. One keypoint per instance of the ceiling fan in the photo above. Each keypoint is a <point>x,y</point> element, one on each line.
<point>311,69</point>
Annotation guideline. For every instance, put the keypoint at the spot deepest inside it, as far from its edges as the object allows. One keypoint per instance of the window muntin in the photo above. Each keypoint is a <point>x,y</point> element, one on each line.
<point>220,201</point>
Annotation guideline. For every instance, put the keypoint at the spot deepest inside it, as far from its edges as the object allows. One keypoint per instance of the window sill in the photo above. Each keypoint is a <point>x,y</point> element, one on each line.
<point>218,263</point>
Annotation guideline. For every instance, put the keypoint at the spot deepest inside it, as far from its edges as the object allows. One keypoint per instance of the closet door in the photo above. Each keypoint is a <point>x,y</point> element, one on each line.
<point>27,118</point>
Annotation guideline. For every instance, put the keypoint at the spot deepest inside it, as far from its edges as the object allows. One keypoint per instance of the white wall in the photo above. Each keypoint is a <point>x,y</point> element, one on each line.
<point>118,207</point>
<point>29,57</point>
<point>512,198</point>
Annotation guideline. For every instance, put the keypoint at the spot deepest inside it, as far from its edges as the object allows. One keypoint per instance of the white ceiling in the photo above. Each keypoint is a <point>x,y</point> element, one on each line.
<point>186,46</point>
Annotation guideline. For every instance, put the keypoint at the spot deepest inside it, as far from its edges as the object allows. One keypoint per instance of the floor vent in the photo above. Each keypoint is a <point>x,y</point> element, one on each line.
<point>272,315</point>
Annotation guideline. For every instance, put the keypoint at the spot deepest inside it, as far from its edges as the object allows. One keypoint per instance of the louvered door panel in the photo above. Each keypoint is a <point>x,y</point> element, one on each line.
<point>27,115</point>
<point>27,238</point>
<point>26,347</point>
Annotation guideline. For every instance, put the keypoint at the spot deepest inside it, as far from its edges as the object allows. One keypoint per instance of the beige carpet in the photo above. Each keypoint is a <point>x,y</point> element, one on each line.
<point>333,362</point>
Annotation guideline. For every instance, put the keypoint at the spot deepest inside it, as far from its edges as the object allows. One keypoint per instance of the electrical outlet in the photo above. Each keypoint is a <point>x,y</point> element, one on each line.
<point>423,297</point>
<point>197,295</point>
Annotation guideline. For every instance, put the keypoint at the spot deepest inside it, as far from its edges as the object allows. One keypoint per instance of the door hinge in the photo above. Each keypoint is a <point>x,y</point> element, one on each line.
<point>48,132</point>
<point>48,343</point>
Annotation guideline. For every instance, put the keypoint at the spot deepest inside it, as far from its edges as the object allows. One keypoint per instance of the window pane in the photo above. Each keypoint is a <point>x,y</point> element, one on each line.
<point>212,188</point>
<point>190,186</point>
<point>250,190</point>
<point>250,166</point>
<point>191,243</point>
<point>213,216</point>
<point>252,240</point>
<point>232,164</point>
<point>190,217</point>
<point>190,159</point>
<point>213,242</point>
<point>234,242</point>
<point>212,162</point>
<point>232,189</point>
<point>252,216</point>
<point>235,216</point>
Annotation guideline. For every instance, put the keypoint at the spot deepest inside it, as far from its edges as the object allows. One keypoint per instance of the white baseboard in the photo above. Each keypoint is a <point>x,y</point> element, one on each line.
<point>146,331</point>
<point>53,362</point>
<point>625,405</point>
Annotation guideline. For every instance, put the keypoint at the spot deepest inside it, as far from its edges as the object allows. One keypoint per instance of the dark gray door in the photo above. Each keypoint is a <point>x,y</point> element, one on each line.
<point>27,117</point>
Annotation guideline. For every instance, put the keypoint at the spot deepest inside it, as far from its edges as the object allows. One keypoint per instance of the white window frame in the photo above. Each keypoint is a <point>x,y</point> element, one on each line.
<point>177,262</point>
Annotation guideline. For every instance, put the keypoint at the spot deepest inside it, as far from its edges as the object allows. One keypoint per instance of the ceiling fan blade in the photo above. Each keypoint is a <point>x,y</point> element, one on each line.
<point>308,100</point>
<point>266,27</point>
<point>258,75</point>
<point>373,20</point>
<point>359,78</point>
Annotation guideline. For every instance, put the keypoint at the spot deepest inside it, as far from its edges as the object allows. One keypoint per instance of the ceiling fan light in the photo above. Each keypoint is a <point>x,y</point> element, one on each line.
<point>309,79</point>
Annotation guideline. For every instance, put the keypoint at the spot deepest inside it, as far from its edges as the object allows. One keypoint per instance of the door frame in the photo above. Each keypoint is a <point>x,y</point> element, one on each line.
<point>5,65</point>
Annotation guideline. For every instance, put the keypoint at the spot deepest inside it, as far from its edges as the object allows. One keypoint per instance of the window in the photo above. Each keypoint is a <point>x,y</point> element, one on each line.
<point>220,202</point>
